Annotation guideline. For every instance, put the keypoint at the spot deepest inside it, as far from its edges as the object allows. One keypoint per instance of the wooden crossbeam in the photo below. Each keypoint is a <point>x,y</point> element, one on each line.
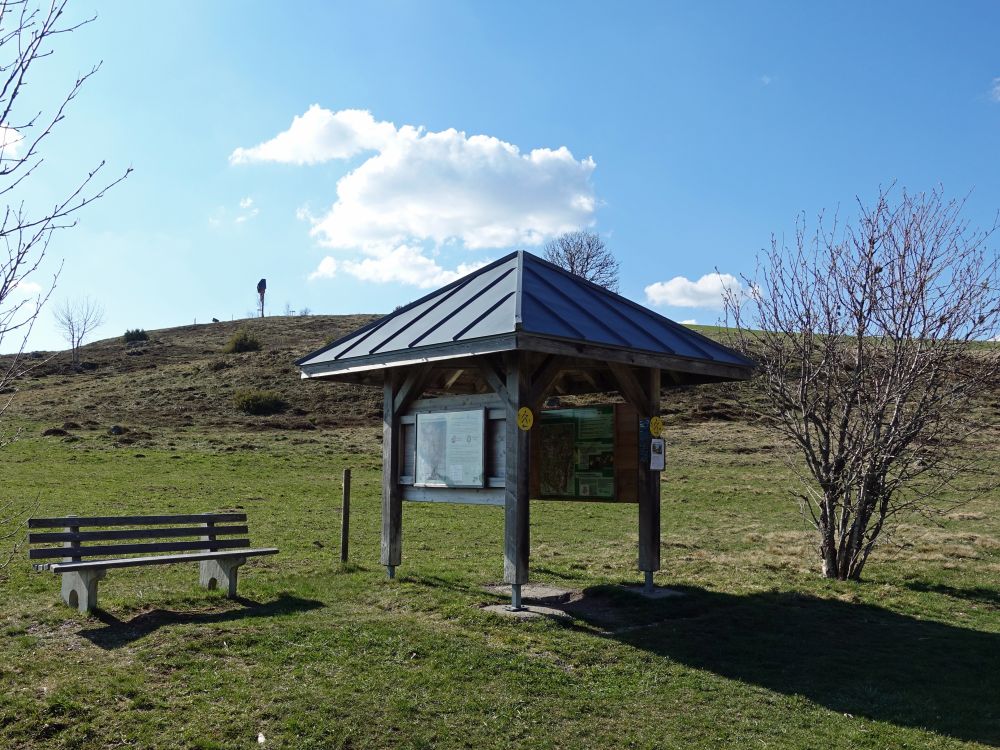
<point>495,379</point>
<point>545,378</point>
<point>630,387</point>
<point>411,388</point>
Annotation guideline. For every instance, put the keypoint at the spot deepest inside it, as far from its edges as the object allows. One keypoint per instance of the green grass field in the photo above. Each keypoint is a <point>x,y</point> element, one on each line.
<point>760,652</point>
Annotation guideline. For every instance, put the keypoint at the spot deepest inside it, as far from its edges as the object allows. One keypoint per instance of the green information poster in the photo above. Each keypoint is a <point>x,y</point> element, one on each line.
<point>577,453</point>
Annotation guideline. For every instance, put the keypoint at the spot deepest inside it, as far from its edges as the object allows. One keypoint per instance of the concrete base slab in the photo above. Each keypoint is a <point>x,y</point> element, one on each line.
<point>535,592</point>
<point>658,592</point>
<point>528,612</point>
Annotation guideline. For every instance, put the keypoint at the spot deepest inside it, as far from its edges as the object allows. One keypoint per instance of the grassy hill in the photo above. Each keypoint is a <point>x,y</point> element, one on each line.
<point>759,652</point>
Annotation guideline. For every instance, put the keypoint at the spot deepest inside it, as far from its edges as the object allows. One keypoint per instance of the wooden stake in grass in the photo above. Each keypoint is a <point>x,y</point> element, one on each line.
<point>345,516</point>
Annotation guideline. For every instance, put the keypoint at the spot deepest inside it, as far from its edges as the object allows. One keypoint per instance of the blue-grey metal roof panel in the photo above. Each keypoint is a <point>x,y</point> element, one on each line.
<point>520,293</point>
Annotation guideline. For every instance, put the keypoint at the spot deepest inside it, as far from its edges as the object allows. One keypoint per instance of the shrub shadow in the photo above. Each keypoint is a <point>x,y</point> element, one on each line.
<point>116,633</point>
<point>977,594</point>
<point>854,659</point>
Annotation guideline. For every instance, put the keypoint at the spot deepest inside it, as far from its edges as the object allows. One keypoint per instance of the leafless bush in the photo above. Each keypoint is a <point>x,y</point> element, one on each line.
<point>76,319</point>
<point>870,343</point>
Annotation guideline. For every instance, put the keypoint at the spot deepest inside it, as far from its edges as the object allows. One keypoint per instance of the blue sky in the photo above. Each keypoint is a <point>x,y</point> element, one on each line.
<point>436,136</point>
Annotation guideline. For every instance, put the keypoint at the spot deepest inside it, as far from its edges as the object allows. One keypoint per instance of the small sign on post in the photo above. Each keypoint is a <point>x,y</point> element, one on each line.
<point>345,516</point>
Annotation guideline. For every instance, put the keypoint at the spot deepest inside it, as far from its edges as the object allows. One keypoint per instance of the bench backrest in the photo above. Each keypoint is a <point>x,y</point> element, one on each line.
<point>82,536</point>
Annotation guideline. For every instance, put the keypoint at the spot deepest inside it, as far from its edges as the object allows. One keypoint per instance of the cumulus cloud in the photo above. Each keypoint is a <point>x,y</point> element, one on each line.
<point>421,190</point>
<point>326,269</point>
<point>407,265</point>
<point>318,136</point>
<point>707,292</point>
<point>446,186</point>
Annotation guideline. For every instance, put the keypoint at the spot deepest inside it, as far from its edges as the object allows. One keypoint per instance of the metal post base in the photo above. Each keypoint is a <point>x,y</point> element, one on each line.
<point>515,598</point>
<point>390,570</point>
<point>648,587</point>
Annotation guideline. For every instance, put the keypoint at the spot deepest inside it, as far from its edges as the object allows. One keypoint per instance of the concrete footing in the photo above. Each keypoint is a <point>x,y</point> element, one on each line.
<point>221,574</point>
<point>79,589</point>
<point>655,592</point>
<point>526,612</point>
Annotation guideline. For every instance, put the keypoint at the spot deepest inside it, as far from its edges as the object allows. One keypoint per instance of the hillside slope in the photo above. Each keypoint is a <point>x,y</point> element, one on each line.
<point>182,378</point>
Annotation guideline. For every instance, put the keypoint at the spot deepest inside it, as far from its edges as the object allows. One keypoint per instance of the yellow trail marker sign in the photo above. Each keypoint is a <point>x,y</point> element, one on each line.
<point>656,427</point>
<point>525,418</point>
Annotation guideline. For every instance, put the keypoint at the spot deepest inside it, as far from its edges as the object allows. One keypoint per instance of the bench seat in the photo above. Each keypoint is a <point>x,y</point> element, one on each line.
<point>133,562</point>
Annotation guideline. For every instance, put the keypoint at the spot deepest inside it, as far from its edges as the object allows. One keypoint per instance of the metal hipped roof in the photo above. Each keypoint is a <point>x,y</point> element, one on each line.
<point>523,302</point>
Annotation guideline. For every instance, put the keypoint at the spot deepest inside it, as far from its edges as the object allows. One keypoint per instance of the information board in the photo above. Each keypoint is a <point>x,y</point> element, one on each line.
<point>450,448</point>
<point>577,453</point>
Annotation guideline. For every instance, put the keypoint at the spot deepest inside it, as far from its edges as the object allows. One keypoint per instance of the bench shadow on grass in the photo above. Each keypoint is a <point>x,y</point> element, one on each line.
<point>116,633</point>
<point>854,659</point>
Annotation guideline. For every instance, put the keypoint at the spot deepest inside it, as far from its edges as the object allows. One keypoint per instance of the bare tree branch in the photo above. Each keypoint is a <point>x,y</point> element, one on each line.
<point>27,30</point>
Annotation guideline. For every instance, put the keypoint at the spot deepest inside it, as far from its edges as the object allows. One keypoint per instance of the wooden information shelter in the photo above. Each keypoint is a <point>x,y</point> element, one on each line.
<point>465,372</point>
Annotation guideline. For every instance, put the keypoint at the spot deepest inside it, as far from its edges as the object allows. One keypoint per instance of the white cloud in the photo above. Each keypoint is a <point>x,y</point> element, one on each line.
<point>320,135</point>
<point>422,190</point>
<point>246,202</point>
<point>447,186</point>
<point>706,292</point>
<point>26,288</point>
<point>406,265</point>
<point>689,322</point>
<point>995,90</point>
<point>10,142</point>
<point>327,269</point>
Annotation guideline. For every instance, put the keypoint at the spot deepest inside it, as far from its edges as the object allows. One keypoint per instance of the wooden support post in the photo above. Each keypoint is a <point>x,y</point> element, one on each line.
<point>345,516</point>
<point>73,546</point>
<point>649,489</point>
<point>392,502</point>
<point>516,536</point>
<point>209,535</point>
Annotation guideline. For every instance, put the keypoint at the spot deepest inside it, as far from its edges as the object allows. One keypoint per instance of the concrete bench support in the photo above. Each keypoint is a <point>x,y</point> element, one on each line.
<point>80,589</point>
<point>221,574</point>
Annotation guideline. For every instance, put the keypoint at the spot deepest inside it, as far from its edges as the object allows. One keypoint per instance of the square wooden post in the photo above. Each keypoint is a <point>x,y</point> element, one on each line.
<point>392,502</point>
<point>516,488</point>
<point>649,490</point>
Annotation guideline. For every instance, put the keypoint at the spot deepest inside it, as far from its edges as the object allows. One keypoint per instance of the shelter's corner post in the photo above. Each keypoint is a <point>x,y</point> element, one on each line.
<point>402,386</point>
<point>642,390</point>
<point>649,490</point>
<point>517,472</point>
<point>392,504</point>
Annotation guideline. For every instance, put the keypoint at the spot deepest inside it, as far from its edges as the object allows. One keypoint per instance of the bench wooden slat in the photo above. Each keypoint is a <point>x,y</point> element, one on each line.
<point>112,534</point>
<point>122,549</point>
<point>131,562</point>
<point>58,523</point>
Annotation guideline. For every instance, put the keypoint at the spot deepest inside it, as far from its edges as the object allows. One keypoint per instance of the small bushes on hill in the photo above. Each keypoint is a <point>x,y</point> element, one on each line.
<point>135,334</point>
<point>242,341</point>
<point>260,403</point>
<point>217,365</point>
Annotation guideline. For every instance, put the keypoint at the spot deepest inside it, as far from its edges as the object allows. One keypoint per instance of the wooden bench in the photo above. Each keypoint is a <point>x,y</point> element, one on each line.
<point>218,554</point>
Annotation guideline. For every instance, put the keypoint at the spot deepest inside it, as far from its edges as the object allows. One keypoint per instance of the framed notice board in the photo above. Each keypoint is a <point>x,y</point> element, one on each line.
<point>450,448</point>
<point>586,453</point>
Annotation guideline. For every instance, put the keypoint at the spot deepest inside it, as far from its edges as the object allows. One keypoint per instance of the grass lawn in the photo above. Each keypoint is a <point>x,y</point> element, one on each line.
<point>759,653</point>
